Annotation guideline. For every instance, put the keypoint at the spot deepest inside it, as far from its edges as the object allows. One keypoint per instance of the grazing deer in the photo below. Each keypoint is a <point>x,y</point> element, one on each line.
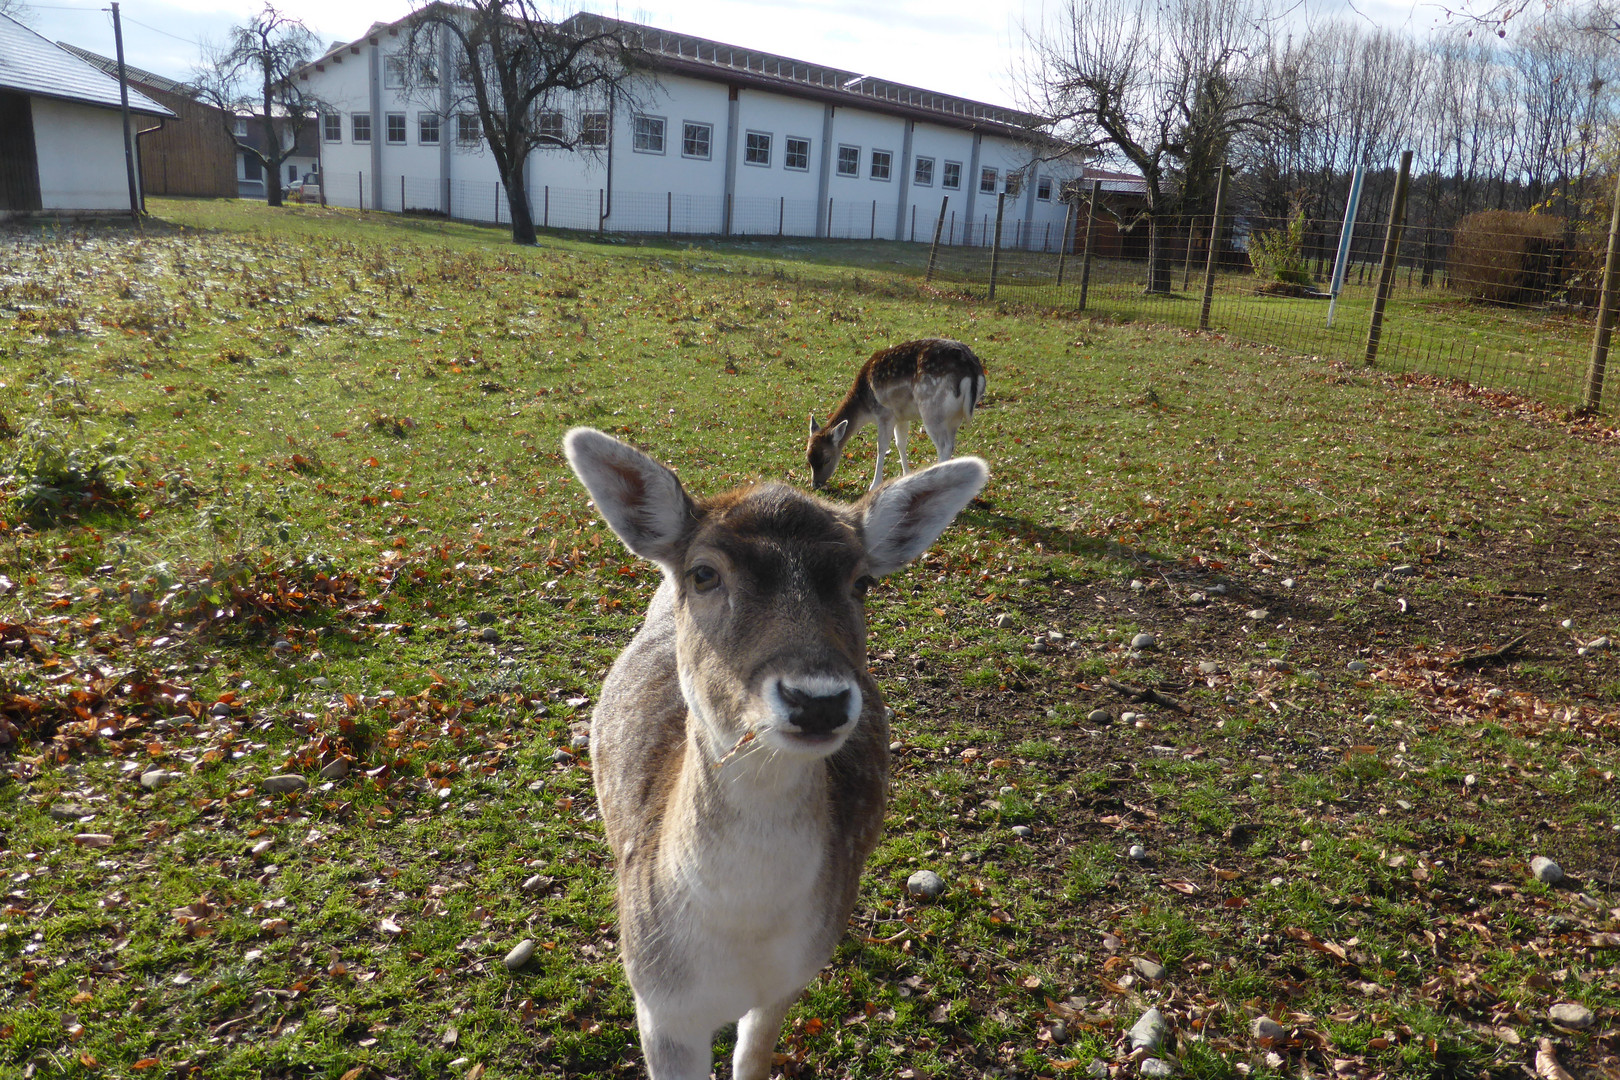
<point>935,379</point>
<point>740,747</point>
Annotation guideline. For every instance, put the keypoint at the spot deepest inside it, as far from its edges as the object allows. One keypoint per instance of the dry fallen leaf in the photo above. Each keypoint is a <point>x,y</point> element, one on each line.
<point>1547,1067</point>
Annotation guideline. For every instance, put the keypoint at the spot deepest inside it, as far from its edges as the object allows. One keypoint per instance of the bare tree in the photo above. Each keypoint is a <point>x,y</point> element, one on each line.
<point>524,79</point>
<point>17,10</point>
<point>252,74</point>
<point>1161,87</point>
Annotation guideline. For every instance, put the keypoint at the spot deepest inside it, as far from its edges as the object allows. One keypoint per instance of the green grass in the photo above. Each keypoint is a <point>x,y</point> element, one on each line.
<point>307,505</point>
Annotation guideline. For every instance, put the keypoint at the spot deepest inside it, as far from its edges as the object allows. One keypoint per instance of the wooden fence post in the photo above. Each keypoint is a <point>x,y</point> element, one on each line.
<point>1392,250</point>
<point>1214,247</point>
<point>669,213</point>
<point>1605,320</point>
<point>995,245</point>
<point>933,249</point>
<point>1085,252</point>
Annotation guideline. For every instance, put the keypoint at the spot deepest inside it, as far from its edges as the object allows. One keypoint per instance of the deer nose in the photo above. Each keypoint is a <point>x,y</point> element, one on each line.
<point>815,714</point>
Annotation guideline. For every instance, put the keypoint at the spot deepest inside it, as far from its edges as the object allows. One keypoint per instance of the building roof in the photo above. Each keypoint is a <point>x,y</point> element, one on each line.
<point>32,65</point>
<point>702,58</point>
<point>135,74</point>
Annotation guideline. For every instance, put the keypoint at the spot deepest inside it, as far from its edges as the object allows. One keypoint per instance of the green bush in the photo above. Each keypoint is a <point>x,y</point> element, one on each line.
<point>1278,256</point>
<point>1507,257</point>
<point>46,478</point>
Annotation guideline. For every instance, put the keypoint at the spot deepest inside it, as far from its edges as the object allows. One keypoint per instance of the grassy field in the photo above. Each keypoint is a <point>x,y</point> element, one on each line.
<point>283,497</point>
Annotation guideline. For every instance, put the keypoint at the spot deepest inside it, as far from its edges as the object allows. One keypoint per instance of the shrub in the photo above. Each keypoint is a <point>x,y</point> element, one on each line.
<point>1507,257</point>
<point>1278,257</point>
<point>47,478</point>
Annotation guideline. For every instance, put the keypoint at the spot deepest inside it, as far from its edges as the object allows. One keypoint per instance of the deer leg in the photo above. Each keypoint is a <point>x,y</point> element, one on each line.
<point>673,1051</point>
<point>885,433</point>
<point>902,432</point>
<point>757,1033</point>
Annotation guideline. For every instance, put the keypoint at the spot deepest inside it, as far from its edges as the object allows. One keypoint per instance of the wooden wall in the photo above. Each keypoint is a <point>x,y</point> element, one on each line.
<point>192,154</point>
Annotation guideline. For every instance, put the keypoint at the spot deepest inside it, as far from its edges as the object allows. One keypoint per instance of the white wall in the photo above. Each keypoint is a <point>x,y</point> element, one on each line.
<point>81,157</point>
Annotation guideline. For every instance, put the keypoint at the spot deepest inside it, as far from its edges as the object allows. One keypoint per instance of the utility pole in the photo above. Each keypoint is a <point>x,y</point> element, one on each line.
<point>123,102</point>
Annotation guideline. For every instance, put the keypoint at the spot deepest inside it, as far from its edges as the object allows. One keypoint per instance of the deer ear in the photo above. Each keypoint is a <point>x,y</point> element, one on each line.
<point>814,427</point>
<point>641,500</point>
<point>838,432</point>
<point>901,519</point>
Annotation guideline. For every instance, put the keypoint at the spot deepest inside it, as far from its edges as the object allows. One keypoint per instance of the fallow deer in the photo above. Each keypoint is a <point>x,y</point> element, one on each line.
<point>740,747</point>
<point>936,380</point>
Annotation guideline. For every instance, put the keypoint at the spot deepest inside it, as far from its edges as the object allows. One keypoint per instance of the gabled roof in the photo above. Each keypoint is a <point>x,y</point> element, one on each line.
<point>135,74</point>
<point>31,65</point>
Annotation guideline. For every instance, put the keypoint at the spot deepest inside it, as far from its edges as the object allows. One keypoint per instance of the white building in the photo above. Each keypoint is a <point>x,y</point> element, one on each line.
<point>727,141</point>
<point>62,143</point>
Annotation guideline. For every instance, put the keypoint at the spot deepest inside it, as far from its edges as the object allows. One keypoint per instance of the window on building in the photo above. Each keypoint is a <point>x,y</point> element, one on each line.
<point>332,127</point>
<point>593,129</point>
<point>849,160</point>
<point>1015,183</point>
<point>467,129</point>
<point>796,154</point>
<point>360,127</point>
<point>292,173</point>
<point>952,176</point>
<point>649,135</point>
<point>923,176</point>
<point>240,127</point>
<point>396,128</point>
<point>881,163</point>
<point>757,148</point>
<point>394,69</point>
<point>696,140</point>
<point>987,181</point>
<point>1043,189</point>
<point>552,129</point>
<point>427,128</point>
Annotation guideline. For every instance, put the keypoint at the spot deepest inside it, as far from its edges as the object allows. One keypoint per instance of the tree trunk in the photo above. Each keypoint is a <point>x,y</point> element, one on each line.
<point>517,201</point>
<point>1160,257</point>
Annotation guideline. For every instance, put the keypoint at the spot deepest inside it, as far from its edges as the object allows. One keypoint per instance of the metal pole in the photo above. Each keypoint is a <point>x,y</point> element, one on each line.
<point>1348,230</point>
<point>933,249</point>
<point>123,107</point>
<point>995,246</point>
<point>1214,246</point>
<point>873,236</point>
<point>1392,250</point>
<point>1605,319</point>
<point>1085,252</point>
<point>669,213</point>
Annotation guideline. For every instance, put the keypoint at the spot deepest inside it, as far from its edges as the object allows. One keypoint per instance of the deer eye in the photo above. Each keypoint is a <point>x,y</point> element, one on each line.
<point>863,585</point>
<point>704,578</point>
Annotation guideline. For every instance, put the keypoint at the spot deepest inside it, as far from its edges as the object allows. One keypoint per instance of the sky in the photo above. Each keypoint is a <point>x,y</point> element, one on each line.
<point>968,48</point>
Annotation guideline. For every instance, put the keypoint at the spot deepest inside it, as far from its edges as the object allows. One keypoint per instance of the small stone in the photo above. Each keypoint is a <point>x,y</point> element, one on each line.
<point>1546,871</point>
<point>580,742</point>
<point>1598,644</point>
<point>1023,832</point>
<point>490,634</point>
<point>1208,667</point>
<point>1150,970</point>
<point>68,811</point>
<point>532,882</point>
<point>1129,717</point>
<point>925,883</point>
<point>485,618</point>
<point>1143,641</point>
<point>1038,645</point>
<point>558,757</point>
<point>93,839</point>
<point>1218,590</point>
<point>1138,853</point>
<point>321,681</point>
<point>1059,1031</point>
<point>1288,583</point>
<point>1404,570</point>
<point>285,783</point>
<point>220,710</point>
<point>1571,1014</point>
<point>1005,621</point>
<point>336,769</point>
<point>1358,665</point>
<point>1149,1032</point>
<point>1257,613</point>
<point>1099,716</point>
<point>1156,1067</point>
<point>1137,585</point>
<point>521,954</point>
<point>1266,1030</point>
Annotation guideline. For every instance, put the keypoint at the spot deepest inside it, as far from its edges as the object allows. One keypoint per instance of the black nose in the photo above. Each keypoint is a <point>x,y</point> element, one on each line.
<point>816,715</point>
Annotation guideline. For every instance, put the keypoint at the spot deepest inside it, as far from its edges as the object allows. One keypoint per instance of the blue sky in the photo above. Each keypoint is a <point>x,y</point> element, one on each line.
<point>962,47</point>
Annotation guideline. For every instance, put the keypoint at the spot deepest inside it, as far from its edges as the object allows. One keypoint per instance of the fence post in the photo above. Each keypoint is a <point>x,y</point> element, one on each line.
<point>545,207</point>
<point>995,246</point>
<point>601,209</point>
<point>950,237</point>
<point>360,182</point>
<point>1392,250</point>
<point>913,223</point>
<point>1085,252</point>
<point>669,213</point>
<point>1214,247</point>
<point>1063,240</point>
<point>1605,319</point>
<point>1186,264</point>
<point>933,249</point>
<point>829,217</point>
<point>873,235</point>
<point>497,202</point>
<point>725,215</point>
<point>781,214</point>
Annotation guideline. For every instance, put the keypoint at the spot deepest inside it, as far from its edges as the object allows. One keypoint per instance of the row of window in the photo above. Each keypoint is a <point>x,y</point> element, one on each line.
<point>697,141</point>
